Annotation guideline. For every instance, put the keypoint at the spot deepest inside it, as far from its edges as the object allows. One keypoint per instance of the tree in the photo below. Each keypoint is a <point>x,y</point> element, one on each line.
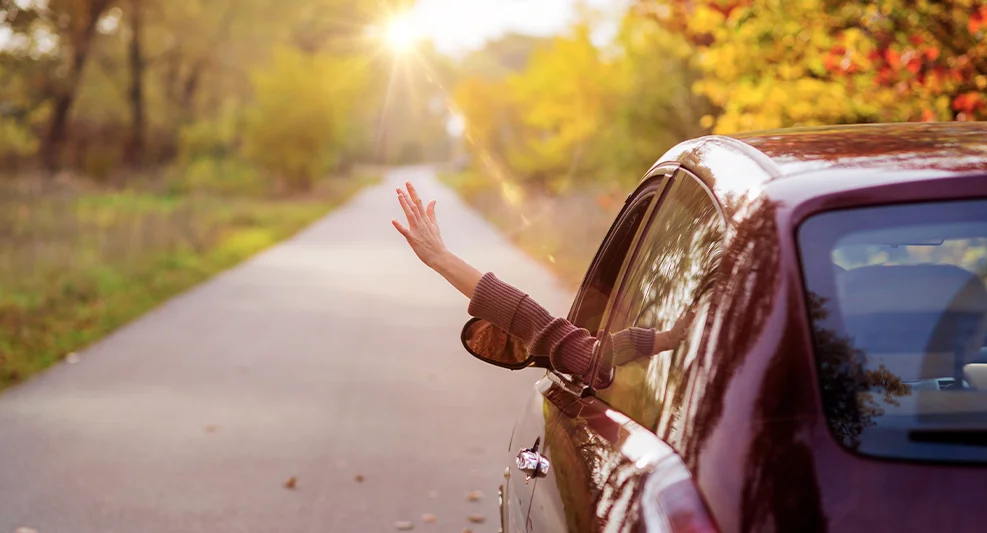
<point>575,111</point>
<point>564,98</point>
<point>69,26</point>
<point>770,64</point>
<point>657,108</point>
<point>298,126</point>
<point>138,64</point>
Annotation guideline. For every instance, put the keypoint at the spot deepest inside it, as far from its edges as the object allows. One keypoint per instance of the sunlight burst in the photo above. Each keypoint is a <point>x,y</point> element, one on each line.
<point>401,34</point>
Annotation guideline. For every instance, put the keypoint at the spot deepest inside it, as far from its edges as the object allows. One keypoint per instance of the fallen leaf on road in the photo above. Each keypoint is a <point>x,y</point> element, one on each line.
<point>291,483</point>
<point>211,428</point>
<point>474,495</point>
<point>26,530</point>
<point>467,530</point>
<point>404,526</point>
<point>359,478</point>
<point>476,519</point>
<point>72,358</point>
<point>429,518</point>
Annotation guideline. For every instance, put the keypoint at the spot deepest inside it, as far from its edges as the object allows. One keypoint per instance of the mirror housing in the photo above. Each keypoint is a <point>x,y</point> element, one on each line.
<point>493,345</point>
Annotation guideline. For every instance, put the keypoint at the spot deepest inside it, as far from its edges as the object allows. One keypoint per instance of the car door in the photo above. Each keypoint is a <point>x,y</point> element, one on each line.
<point>529,435</point>
<point>613,447</point>
<point>558,391</point>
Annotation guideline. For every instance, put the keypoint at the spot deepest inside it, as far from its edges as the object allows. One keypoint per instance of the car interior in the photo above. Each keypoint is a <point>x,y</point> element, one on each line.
<point>926,323</point>
<point>918,314</point>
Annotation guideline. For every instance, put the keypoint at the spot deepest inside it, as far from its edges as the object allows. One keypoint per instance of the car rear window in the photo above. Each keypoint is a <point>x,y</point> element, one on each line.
<point>898,306</point>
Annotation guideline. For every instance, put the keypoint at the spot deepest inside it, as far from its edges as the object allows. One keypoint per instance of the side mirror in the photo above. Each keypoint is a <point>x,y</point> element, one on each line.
<point>493,345</point>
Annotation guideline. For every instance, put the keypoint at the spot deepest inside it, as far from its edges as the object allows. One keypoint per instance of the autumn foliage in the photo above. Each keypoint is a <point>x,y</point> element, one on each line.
<point>768,63</point>
<point>577,110</point>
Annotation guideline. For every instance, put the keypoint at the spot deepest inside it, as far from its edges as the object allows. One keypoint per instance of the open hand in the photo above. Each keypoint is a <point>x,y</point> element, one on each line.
<point>422,232</point>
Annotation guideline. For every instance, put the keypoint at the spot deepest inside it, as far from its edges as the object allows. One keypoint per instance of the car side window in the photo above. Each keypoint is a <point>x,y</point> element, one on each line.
<point>601,278</point>
<point>660,309</point>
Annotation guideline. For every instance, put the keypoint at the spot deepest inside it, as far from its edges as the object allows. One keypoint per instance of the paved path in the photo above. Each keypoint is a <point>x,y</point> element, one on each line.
<point>332,355</point>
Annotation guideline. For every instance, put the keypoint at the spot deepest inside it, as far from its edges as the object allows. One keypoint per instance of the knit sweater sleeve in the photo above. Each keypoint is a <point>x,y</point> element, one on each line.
<point>569,348</point>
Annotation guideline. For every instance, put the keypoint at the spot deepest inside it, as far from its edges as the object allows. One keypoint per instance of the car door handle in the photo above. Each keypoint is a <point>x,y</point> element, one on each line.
<point>532,463</point>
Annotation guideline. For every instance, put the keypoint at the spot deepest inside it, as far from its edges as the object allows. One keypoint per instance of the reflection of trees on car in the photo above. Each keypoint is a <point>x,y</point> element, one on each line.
<point>968,253</point>
<point>676,266</point>
<point>597,484</point>
<point>744,294</point>
<point>848,388</point>
<point>779,478</point>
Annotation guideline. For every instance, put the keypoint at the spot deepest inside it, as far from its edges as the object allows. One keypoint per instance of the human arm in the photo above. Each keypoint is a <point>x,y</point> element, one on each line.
<point>424,237</point>
<point>634,343</point>
<point>569,348</point>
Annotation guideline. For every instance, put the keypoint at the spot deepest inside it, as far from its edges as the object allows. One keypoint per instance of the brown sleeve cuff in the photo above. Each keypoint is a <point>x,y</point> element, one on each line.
<point>495,301</point>
<point>569,348</point>
<point>632,343</point>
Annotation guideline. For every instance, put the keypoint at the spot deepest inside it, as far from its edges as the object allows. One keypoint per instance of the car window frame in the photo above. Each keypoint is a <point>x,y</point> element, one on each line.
<point>654,184</point>
<point>680,173</point>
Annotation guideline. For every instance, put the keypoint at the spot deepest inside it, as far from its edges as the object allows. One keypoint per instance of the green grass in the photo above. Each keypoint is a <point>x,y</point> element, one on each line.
<point>76,265</point>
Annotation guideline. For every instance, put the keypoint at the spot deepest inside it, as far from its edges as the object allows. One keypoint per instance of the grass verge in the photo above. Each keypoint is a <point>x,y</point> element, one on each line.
<point>75,265</point>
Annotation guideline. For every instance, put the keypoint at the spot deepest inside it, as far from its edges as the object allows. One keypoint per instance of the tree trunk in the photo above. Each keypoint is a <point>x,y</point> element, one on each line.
<point>135,149</point>
<point>190,88</point>
<point>51,149</point>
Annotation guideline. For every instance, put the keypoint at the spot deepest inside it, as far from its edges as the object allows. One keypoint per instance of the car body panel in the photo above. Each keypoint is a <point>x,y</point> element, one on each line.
<point>534,425</point>
<point>756,442</point>
<point>600,463</point>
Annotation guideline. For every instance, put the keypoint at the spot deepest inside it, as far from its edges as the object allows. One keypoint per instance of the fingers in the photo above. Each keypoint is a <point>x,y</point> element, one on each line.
<point>409,211</point>
<point>430,212</point>
<point>401,229</point>
<point>415,198</point>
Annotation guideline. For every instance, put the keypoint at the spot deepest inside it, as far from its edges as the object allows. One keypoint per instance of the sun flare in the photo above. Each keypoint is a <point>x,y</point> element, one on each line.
<point>401,34</point>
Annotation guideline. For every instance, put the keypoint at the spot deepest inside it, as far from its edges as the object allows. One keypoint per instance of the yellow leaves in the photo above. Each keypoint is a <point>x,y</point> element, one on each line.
<point>559,103</point>
<point>788,71</point>
<point>786,63</point>
<point>706,20</point>
<point>302,114</point>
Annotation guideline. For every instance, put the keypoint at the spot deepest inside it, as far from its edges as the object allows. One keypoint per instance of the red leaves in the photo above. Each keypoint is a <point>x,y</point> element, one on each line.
<point>892,57</point>
<point>726,6</point>
<point>884,76</point>
<point>836,60</point>
<point>968,102</point>
<point>914,65</point>
<point>977,20</point>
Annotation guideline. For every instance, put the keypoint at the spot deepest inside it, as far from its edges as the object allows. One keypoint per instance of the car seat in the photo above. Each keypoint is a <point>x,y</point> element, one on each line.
<point>922,322</point>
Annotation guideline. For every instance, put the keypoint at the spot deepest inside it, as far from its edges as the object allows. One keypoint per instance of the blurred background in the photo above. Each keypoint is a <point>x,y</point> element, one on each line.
<point>146,145</point>
<point>166,140</point>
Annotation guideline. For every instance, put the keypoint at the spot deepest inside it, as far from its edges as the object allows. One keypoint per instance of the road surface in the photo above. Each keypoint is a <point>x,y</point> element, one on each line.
<point>330,356</point>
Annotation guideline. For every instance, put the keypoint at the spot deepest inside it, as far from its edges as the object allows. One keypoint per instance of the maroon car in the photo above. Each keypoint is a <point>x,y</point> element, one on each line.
<point>835,375</point>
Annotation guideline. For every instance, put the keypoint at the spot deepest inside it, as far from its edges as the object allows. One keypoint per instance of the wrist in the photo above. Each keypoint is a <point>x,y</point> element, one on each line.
<point>442,261</point>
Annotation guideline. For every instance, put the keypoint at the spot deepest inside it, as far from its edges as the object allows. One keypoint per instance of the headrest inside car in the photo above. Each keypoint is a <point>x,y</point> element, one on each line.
<point>915,309</point>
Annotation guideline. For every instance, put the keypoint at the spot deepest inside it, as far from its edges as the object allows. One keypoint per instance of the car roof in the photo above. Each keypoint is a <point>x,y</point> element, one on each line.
<point>840,157</point>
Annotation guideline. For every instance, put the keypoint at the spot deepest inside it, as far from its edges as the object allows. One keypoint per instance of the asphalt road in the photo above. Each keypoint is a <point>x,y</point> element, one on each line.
<point>330,356</point>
